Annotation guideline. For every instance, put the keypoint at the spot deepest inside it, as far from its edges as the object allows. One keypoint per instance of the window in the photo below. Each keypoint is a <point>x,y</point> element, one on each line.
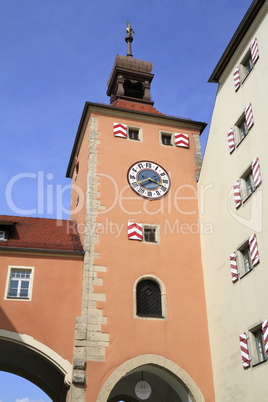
<point>166,139</point>
<point>148,298</point>
<point>259,345</point>
<point>245,259</point>
<point>242,129</point>
<point>247,184</point>
<point>246,65</point>
<point>2,235</point>
<point>133,134</point>
<point>149,234</point>
<point>19,284</point>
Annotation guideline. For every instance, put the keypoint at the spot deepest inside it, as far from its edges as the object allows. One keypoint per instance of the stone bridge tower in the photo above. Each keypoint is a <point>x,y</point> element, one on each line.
<point>142,332</point>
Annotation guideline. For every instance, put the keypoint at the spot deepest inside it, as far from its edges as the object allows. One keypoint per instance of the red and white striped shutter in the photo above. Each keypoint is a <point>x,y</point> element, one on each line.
<point>249,116</point>
<point>256,172</point>
<point>265,336</point>
<point>244,350</point>
<point>134,231</point>
<point>237,80</point>
<point>231,141</point>
<point>254,50</point>
<point>233,266</point>
<point>120,130</point>
<point>237,194</point>
<point>253,250</point>
<point>181,140</point>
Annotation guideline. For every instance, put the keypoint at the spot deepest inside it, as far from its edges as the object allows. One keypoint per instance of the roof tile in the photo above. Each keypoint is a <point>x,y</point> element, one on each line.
<point>139,107</point>
<point>40,233</point>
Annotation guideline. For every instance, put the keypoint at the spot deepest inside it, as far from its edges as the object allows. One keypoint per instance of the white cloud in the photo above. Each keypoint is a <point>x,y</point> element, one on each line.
<point>23,400</point>
<point>28,400</point>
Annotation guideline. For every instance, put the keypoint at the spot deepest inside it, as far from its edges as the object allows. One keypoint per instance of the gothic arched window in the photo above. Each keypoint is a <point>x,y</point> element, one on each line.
<point>148,299</point>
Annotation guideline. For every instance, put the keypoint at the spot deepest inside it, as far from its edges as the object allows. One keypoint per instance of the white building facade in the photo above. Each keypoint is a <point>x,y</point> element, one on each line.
<point>233,197</point>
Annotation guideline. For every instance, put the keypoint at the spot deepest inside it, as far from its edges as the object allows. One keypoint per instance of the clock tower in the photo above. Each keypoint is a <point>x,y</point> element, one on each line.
<point>142,333</point>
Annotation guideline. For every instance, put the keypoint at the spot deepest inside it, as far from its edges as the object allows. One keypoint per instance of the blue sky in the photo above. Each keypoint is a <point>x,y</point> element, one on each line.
<point>56,55</point>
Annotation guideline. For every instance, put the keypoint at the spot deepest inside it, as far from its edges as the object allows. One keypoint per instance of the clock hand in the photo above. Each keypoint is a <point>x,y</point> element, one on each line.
<point>157,182</point>
<point>147,178</point>
<point>150,179</point>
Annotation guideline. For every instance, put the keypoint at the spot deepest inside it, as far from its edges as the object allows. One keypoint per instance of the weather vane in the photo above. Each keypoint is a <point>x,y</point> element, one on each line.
<point>129,30</point>
<point>129,38</point>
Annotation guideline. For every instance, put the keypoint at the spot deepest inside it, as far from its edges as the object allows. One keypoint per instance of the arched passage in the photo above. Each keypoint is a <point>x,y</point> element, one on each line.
<point>22,355</point>
<point>167,380</point>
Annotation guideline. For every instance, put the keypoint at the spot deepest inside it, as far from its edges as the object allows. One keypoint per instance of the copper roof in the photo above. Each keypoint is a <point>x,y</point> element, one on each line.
<point>40,234</point>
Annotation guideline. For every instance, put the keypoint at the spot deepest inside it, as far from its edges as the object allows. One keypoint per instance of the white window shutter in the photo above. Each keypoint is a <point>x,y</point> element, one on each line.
<point>231,141</point>
<point>249,116</point>
<point>253,250</point>
<point>237,80</point>
<point>256,172</point>
<point>134,231</point>
<point>254,50</point>
<point>265,336</point>
<point>244,350</point>
<point>233,266</point>
<point>237,194</point>
<point>181,140</point>
<point>120,130</point>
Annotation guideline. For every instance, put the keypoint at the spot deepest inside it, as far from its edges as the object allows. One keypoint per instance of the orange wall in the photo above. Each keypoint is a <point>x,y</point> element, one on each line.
<point>56,300</point>
<point>176,261</point>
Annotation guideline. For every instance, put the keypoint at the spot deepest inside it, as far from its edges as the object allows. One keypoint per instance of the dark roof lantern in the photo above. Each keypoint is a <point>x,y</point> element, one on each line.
<point>130,78</point>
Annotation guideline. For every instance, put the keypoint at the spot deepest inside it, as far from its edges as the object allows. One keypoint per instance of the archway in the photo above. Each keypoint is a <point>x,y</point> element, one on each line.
<point>28,358</point>
<point>167,380</point>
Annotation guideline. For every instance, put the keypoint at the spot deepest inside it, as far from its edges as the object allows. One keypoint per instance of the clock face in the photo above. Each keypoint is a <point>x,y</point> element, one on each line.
<point>148,179</point>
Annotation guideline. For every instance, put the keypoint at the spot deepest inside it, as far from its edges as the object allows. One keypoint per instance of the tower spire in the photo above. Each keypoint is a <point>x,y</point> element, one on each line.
<point>129,39</point>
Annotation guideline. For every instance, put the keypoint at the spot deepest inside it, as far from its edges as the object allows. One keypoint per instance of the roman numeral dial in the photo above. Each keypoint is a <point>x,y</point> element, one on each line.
<point>149,180</point>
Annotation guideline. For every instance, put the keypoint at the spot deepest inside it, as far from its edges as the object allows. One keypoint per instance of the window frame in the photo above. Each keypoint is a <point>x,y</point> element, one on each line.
<point>155,228</point>
<point>257,345</point>
<point>241,133</point>
<point>168,135</point>
<point>244,71</point>
<point>3,233</point>
<point>133,128</point>
<point>244,261</point>
<point>163,298</point>
<point>9,278</point>
<point>247,184</point>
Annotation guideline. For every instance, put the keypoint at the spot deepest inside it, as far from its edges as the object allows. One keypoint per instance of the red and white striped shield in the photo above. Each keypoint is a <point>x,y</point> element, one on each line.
<point>120,130</point>
<point>134,231</point>
<point>181,140</point>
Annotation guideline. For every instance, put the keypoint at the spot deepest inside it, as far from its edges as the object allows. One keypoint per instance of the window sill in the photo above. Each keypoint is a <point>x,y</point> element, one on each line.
<point>248,196</point>
<point>147,317</point>
<point>259,363</point>
<point>246,273</point>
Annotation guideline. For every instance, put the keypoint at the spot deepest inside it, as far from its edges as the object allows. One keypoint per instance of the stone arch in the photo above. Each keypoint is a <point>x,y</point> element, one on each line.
<point>156,365</point>
<point>22,355</point>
